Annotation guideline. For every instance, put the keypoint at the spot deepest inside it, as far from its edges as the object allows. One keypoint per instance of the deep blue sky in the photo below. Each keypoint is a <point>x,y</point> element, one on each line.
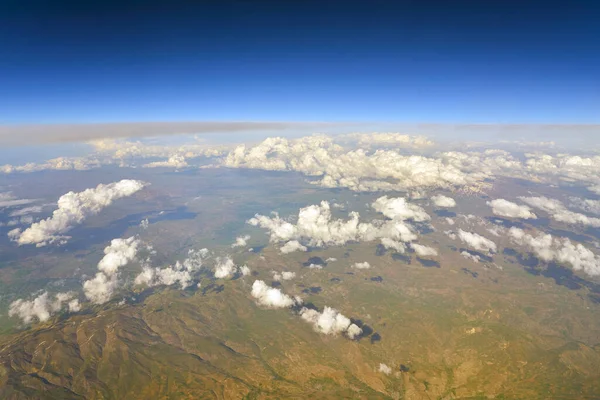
<point>426,61</point>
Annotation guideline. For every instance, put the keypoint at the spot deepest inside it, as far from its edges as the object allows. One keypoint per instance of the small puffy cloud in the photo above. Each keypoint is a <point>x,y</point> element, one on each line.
<point>144,224</point>
<point>399,209</point>
<point>283,276</point>
<point>241,241</point>
<point>473,257</point>
<point>561,250</point>
<point>226,268</point>
<point>180,273</point>
<point>315,266</point>
<point>330,322</point>
<point>558,212</point>
<point>361,265</point>
<point>41,308</point>
<point>423,251</point>
<point>331,259</point>
<point>399,247</point>
<point>477,242</point>
<point>443,201</point>
<point>291,246</point>
<point>384,369</point>
<point>271,297</point>
<point>119,253</point>
<point>73,209</point>
<point>505,208</point>
<point>175,161</point>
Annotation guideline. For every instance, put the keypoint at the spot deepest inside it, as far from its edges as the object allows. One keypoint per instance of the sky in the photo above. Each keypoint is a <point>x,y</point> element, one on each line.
<point>398,61</point>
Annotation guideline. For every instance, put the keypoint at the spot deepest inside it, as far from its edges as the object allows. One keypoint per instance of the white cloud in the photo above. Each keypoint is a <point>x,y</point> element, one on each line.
<point>558,212</point>
<point>175,161</point>
<point>315,266</point>
<point>394,245</point>
<point>241,241</point>
<point>473,257</point>
<point>291,246</point>
<point>477,242</point>
<point>73,209</point>
<point>361,265</point>
<point>358,170</point>
<point>443,201</point>
<point>423,251</point>
<point>587,205</point>
<point>119,253</point>
<point>506,208</point>
<point>144,224</point>
<point>7,199</point>
<point>399,209</point>
<point>316,228</point>
<point>283,276</point>
<point>26,211</point>
<point>180,273</point>
<point>384,369</point>
<point>561,250</point>
<point>272,297</point>
<point>41,308</point>
<point>331,259</point>
<point>330,322</point>
<point>226,268</point>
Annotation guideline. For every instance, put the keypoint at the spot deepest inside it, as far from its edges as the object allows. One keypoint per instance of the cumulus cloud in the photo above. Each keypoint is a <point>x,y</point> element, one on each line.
<point>241,241</point>
<point>42,307</point>
<point>476,241</point>
<point>315,226</point>
<point>443,201</point>
<point>291,246</point>
<point>394,245</point>
<point>558,212</point>
<point>180,273</point>
<point>119,253</point>
<point>361,265</point>
<point>315,266</point>
<point>226,268</point>
<point>505,208</point>
<point>423,251</point>
<point>561,250</point>
<point>272,297</point>
<point>175,161</point>
<point>473,257</point>
<point>359,170</point>
<point>73,209</point>
<point>283,276</point>
<point>399,209</point>
<point>384,369</point>
<point>330,322</point>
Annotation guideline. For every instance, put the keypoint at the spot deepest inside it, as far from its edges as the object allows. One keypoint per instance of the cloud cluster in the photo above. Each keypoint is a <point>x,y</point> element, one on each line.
<point>272,297</point>
<point>330,322</point>
<point>475,241</point>
<point>424,251</point>
<point>505,208</point>
<point>225,268</point>
<point>180,273</point>
<point>241,241</point>
<point>42,307</point>
<point>587,205</point>
<point>558,212</point>
<point>384,369</point>
<point>315,226</point>
<point>443,201</point>
<point>73,209</point>
<point>283,276</point>
<point>473,257</point>
<point>119,253</point>
<point>561,250</point>
<point>361,265</point>
<point>359,170</point>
